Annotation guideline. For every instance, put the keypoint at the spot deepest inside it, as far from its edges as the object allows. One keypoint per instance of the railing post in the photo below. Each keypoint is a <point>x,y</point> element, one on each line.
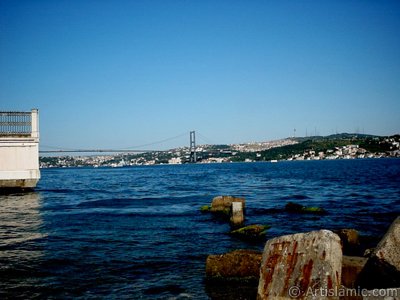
<point>35,123</point>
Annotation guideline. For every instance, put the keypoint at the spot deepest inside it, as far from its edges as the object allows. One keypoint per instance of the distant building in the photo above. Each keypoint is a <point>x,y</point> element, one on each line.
<point>175,161</point>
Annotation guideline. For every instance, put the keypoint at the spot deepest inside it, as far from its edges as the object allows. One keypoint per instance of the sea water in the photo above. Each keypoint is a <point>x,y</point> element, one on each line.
<point>138,233</point>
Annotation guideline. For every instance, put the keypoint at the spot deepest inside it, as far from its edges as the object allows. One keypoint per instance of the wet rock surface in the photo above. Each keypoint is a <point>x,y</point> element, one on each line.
<point>255,232</point>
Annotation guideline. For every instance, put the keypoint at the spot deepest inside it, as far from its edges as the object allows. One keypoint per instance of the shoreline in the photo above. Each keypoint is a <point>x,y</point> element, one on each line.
<point>215,163</point>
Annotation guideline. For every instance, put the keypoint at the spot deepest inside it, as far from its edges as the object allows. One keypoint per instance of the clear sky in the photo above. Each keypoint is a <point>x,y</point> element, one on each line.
<point>115,74</point>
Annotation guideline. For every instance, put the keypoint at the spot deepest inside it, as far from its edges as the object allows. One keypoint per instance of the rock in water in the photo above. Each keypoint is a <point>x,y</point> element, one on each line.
<point>205,208</point>
<point>382,269</point>
<point>300,209</point>
<point>253,232</point>
<point>301,266</point>
<point>293,207</point>
<point>223,204</point>
<point>237,214</point>
<point>242,265</point>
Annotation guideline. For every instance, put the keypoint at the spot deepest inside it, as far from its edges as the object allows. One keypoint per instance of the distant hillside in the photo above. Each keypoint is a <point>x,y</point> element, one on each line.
<point>338,136</point>
<point>370,143</point>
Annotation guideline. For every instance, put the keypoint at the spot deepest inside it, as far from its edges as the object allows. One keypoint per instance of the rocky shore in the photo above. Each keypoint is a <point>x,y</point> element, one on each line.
<point>311,265</point>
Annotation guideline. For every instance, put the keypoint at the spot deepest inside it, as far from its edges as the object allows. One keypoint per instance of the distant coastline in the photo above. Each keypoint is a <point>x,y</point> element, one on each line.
<point>339,146</point>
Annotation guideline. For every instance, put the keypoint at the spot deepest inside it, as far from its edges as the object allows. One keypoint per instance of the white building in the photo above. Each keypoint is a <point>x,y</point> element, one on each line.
<point>175,161</point>
<point>19,149</point>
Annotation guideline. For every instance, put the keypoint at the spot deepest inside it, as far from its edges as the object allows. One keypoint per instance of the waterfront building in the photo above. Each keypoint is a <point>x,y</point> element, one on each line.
<point>19,149</point>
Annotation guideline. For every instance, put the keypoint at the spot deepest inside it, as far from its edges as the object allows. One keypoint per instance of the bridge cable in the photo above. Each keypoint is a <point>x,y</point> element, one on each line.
<point>159,142</point>
<point>113,150</point>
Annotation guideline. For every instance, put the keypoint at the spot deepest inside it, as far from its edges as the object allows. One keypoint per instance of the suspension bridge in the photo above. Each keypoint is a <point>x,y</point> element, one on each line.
<point>134,149</point>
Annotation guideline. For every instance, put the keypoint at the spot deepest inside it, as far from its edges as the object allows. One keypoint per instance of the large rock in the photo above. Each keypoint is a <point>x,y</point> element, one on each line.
<point>223,203</point>
<point>241,265</point>
<point>351,267</point>
<point>382,269</point>
<point>293,266</point>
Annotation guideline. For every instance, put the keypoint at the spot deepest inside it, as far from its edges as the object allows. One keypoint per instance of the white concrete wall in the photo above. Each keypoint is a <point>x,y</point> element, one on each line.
<point>18,155</point>
<point>19,158</point>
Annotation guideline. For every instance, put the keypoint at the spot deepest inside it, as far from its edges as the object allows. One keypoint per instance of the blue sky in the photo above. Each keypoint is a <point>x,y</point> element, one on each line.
<point>115,74</point>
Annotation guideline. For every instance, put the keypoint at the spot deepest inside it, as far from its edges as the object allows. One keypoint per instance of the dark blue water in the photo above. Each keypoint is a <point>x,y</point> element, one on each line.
<point>138,233</point>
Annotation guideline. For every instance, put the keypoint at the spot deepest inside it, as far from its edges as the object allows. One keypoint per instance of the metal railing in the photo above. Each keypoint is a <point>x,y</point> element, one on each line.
<point>15,123</point>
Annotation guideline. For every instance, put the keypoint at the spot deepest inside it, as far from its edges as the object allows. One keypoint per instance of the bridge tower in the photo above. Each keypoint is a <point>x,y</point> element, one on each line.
<point>193,157</point>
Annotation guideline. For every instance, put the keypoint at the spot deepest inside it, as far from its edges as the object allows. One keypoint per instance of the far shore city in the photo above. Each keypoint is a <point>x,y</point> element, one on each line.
<point>338,146</point>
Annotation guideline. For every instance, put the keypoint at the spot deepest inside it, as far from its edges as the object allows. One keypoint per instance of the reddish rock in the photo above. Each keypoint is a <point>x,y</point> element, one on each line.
<point>295,265</point>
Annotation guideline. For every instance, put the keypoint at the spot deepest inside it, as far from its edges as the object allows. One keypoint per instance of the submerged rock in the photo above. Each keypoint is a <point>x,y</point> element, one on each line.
<point>298,208</point>
<point>294,265</point>
<point>382,269</point>
<point>238,265</point>
<point>251,232</point>
<point>205,208</point>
